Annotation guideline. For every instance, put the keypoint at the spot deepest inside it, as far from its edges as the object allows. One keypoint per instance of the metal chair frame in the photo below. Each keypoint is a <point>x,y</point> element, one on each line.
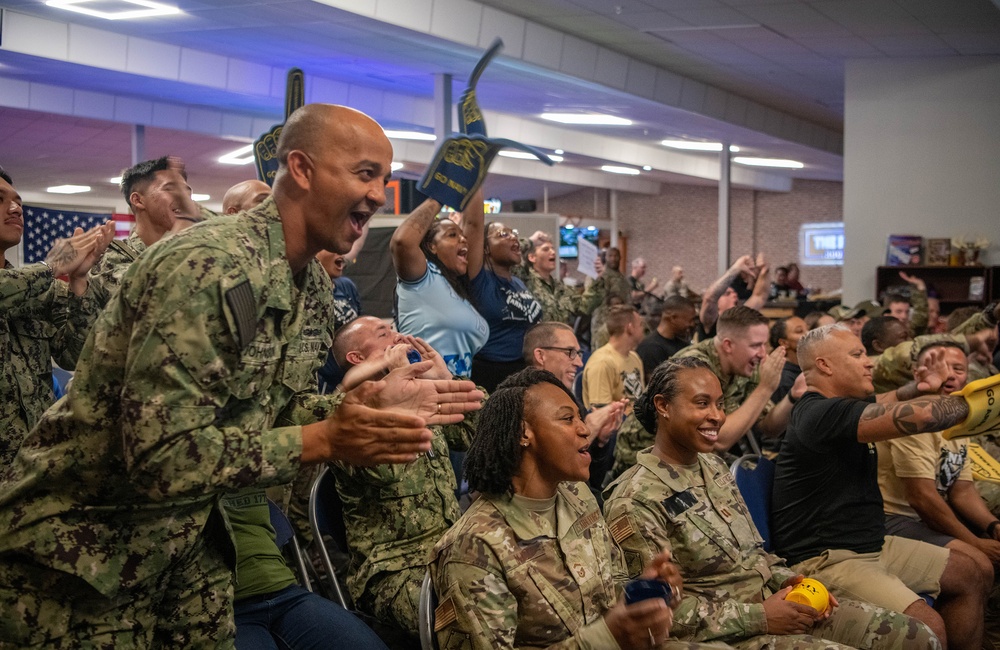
<point>286,540</point>
<point>425,614</point>
<point>323,522</point>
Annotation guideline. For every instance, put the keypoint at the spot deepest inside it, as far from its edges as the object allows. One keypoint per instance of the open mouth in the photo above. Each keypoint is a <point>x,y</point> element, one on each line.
<point>359,219</point>
<point>463,254</point>
<point>585,451</point>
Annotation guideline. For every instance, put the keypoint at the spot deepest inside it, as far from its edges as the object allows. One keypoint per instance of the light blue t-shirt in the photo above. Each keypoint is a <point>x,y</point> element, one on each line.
<point>430,309</point>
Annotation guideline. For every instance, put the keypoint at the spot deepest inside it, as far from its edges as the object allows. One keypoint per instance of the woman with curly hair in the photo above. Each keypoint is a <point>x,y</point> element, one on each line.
<point>431,258</point>
<point>529,564</point>
<point>681,497</point>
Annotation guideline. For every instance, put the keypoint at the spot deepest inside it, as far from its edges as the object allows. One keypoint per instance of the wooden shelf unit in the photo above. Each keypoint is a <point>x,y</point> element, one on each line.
<point>950,282</point>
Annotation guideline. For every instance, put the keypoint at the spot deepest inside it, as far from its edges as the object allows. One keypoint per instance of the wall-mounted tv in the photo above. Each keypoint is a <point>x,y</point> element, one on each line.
<point>567,239</point>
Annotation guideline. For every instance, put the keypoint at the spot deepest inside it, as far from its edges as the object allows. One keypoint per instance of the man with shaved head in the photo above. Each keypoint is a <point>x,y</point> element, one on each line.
<point>827,514</point>
<point>245,195</point>
<point>393,514</point>
<point>193,394</point>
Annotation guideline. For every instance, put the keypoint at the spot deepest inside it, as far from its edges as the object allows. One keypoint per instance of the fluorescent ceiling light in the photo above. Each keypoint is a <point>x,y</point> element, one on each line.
<point>598,119</point>
<point>559,152</point>
<point>396,166</point>
<point>200,197</point>
<point>524,155</point>
<point>242,156</point>
<point>411,135</point>
<point>117,180</point>
<point>148,9</point>
<point>647,168</point>
<point>615,169</point>
<point>769,162</point>
<point>697,146</point>
<point>68,189</point>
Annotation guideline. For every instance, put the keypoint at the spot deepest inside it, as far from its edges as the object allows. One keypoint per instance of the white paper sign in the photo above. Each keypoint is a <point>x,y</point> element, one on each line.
<point>587,257</point>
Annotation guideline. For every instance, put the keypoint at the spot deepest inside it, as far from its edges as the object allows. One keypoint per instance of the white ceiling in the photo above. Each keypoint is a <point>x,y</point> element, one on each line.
<point>764,74</point>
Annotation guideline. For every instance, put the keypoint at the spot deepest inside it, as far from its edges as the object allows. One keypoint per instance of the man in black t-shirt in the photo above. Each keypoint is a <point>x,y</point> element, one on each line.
<point>827,516</point>
<point>671,335</point>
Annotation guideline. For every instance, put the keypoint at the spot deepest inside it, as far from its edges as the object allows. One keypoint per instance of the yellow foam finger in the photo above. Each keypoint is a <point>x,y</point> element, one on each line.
<point>983,397</point>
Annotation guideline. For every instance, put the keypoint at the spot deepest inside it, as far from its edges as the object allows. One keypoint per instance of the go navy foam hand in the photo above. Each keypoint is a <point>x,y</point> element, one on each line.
<point>460,165</point>
<point>468,107</point>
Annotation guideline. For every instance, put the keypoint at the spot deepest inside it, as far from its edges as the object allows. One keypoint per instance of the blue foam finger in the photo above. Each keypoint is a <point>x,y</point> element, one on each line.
<point>472,121</point>
<point>458,169</point>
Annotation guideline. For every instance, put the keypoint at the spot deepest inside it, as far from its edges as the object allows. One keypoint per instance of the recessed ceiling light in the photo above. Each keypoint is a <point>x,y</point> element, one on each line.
<point>647,168</point>
<point>200,197</point>
<point>769,162</point>
<point>68,189</point>
<point>411,135</point>
<point>148,9</point>
<point>690,145</point>
<point>597,119</point>
<point>117,180</point>
<point>615,169</point>
<point>524,155</point>
<point>241,156</point>
<point>396,166</point>
<point>559,152</point>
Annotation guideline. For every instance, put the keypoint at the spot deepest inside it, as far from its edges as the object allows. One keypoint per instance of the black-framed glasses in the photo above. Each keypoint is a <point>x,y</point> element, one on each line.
<point>572,353</point>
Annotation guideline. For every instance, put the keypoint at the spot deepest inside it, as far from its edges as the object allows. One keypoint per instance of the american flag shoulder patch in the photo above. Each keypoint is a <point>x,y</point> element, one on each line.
<point>621,529</point>
<point>444,615</point>
<point>241,301</point>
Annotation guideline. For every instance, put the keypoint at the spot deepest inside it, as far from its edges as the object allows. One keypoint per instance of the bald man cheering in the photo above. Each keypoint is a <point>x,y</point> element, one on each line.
<point>827,516</point>
<point>194,384</point>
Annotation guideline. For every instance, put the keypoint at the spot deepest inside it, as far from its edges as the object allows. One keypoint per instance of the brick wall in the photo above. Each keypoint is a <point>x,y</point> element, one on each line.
<point>680,226</point>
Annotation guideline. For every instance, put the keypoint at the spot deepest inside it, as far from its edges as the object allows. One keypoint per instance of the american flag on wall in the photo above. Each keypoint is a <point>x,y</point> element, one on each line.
<point>42,226</point>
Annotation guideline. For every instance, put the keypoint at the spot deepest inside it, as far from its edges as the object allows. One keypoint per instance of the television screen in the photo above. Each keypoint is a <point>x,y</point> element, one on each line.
<point>568,236</point>
<point>821,244</point>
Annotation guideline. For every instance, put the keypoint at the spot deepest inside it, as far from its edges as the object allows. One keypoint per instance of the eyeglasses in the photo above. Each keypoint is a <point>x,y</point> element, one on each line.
<point>505,233</point>
<point>572,353</point>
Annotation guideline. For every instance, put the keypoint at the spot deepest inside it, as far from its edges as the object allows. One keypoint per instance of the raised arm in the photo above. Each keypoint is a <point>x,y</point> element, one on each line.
<point>404,246</point>
<point>739,421</point>
<point>474,229</point>
<point>709,303</point>
<point>918,303</point>
<point>761,289</point>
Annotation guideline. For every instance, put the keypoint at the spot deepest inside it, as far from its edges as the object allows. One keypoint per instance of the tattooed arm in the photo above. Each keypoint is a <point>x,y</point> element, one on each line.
<point>709,303</point>
<point>68,255</point>
<point>930,413</point>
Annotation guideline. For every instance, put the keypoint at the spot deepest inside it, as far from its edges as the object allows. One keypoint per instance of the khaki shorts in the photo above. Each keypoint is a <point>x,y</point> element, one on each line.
<point>892,578</point>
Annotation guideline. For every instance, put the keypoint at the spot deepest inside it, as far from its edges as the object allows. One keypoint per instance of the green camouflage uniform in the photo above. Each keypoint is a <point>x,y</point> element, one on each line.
<point>561,302</point>
<point>505,579</point>
<point>113,498</point>
<point>40,318</point>
<point>613,283</point>
<point>919,312</point>
<point>698,515</point>
<point>632,438</point>
<point>894,367</point>
<point>106,276</point>
<point>393,515</point>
